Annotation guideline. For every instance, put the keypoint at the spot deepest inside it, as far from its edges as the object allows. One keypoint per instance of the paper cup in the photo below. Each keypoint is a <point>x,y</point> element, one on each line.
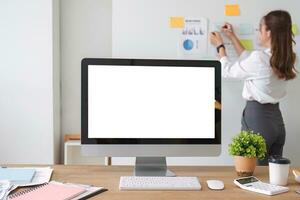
<point>279,170</point>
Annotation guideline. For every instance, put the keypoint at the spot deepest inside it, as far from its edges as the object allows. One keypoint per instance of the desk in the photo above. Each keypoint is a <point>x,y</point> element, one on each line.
<point>108,177</point>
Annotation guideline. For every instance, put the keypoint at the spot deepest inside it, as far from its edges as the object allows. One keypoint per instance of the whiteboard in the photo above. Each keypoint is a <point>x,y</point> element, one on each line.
<point>140,29</point>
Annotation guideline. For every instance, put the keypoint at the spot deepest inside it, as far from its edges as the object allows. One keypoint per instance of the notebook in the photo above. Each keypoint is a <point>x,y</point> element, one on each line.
<point>49,191</point>
<point>17,175</point>
<point>90,192</point>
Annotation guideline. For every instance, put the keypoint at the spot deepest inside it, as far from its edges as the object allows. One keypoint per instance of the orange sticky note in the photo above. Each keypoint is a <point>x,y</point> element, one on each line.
<point>176,22</point>
<point>232,10</point>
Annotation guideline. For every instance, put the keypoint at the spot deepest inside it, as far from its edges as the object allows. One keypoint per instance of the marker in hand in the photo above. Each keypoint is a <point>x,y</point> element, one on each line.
<point>227,28</point>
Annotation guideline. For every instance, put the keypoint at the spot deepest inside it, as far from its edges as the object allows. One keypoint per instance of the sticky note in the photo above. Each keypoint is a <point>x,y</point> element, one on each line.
<point>245,29</point>
<point>176,22</point>
<point>248,44</point>
<point>295,29</point>
<point>232,10</point>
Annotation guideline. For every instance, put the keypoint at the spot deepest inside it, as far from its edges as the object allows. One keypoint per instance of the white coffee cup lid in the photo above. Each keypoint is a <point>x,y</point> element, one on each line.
<point>279,160</point>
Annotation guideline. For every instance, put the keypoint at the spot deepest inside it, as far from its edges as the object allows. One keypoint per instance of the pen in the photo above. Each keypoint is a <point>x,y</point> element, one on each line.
<point>227,28</point>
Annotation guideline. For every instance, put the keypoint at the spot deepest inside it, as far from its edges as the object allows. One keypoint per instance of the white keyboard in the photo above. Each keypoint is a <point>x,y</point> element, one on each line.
<point>159,183</point>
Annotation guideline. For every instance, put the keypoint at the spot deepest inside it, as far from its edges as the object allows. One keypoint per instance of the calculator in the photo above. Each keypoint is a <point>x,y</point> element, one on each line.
<point>251,183</point>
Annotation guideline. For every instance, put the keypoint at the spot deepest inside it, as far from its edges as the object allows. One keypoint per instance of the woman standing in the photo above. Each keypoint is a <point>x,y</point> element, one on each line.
<point>265,74</point>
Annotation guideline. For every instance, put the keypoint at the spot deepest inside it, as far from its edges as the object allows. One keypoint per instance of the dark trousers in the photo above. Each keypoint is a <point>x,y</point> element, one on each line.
<point>265,119</point>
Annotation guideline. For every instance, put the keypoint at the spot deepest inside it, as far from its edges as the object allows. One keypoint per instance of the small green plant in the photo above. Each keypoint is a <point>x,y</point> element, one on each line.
<point>248,144</point>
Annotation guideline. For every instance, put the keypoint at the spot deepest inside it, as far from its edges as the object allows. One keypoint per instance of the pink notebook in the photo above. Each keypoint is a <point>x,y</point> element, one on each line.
<point>49,191</point>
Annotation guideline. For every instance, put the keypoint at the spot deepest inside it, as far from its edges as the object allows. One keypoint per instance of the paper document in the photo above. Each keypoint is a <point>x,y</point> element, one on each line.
<point>193,38</point>
<point>6,187</point>
<point>17,175</point>
<point>42,175</point>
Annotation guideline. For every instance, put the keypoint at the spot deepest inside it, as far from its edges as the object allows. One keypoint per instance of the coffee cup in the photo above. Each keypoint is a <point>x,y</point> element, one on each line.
<point>279,170</point>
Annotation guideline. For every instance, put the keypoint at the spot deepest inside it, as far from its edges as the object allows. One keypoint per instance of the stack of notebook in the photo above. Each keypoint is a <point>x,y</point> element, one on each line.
<point>57,191</point>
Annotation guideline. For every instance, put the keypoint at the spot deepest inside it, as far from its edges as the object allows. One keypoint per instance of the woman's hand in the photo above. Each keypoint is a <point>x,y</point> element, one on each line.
<point>227,29</point>
<point>216,38</point>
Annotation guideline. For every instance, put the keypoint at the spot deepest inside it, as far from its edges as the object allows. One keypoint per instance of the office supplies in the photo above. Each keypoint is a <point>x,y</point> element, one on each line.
<point>248,44</point>
<point>90,191</point>
<point>159,183</point>
<point>49,191</point>
<point>251,183</point>
<point>8,191</point>
<point>4,187</point>
<point>109,176</point>
<point>227,28</point>
<point>297,175</point>
<point>17,175</point>
<point>192,39</point>
<point>176,22</point>
<point>232,10</point>
<point>215,184</point>
<point>42,175</point>
<point>298,191</point>
<point>295,29</point>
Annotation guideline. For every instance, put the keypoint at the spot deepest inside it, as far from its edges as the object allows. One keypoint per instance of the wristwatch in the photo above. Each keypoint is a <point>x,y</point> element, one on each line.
<point>219,47</point>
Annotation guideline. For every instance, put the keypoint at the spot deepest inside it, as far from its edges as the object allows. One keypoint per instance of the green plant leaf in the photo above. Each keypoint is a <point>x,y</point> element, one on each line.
<point>248,144</point>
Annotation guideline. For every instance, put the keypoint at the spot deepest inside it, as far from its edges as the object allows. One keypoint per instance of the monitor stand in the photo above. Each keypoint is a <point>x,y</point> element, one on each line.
<point>151,166</point>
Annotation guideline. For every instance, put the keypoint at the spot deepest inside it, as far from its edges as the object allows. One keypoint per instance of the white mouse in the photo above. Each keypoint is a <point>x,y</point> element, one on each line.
<point>215,184</point>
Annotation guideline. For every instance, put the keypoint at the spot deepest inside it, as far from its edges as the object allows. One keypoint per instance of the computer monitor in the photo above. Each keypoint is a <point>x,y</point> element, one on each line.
<point>150,109</point>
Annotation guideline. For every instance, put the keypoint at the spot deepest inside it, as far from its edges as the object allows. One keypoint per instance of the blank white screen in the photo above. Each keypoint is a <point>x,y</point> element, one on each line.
<point>151,102</point>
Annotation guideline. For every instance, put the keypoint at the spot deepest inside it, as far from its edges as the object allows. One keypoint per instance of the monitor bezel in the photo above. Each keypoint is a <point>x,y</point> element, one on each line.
<point>146,62</point>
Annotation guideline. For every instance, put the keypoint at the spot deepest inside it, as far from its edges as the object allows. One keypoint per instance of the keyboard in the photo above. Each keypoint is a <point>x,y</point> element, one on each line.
<point>159,183</point>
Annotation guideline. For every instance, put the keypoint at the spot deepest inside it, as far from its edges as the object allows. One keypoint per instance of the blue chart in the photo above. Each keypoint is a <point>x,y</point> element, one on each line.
<point>188,44</point>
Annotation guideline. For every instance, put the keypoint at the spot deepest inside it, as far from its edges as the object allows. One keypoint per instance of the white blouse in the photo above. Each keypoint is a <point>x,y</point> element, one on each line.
<point>260,82</point>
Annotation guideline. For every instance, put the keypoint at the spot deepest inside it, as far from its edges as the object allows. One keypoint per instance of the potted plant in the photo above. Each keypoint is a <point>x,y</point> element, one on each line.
<point>246,148</point>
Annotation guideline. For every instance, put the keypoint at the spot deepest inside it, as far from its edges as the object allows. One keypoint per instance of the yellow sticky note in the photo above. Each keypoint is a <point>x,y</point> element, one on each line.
<point>232,10</point>
<point>295,29</point>
<point>248,44</point>
<point>176,22</point>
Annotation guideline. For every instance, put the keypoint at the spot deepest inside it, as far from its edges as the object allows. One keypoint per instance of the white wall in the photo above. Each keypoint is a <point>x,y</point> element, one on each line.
<point>28,92</point>
<point>85,32</point>
<point>141,30</point>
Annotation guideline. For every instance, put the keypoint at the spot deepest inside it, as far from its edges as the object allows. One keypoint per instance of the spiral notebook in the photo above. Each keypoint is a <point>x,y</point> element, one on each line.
<point>49,191</point>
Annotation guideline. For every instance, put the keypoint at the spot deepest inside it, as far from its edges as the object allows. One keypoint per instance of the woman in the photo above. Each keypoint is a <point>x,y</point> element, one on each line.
<point>265,74</point>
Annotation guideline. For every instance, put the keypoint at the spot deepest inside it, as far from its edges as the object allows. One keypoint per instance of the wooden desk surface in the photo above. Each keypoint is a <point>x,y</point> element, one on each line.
<point>108,177</point>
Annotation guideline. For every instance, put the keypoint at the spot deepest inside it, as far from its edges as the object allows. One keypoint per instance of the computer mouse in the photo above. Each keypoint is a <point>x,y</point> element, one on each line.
<point>215,184</point>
